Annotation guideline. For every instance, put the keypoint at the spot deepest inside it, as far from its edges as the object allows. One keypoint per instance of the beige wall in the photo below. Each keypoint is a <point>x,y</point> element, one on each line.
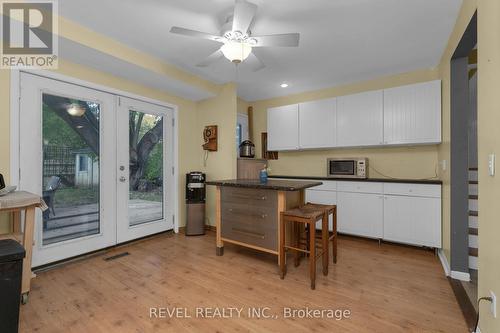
<point>242,106</point>
<point>220,111</point>
<point>401,162</point>
<point>489,143</point>
<point>466,13</point>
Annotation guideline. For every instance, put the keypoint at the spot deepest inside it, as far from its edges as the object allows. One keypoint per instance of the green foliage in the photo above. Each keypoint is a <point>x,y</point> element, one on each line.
<point>154,164</point>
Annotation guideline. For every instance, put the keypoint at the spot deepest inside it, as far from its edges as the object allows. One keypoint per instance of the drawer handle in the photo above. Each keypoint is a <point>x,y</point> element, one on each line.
<point>250,233</point>
<point>263,216</point>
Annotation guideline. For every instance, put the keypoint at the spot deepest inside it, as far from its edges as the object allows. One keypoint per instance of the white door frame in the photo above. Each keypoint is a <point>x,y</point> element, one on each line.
<point>15,81</point>
<point>124,231</point>
<point>31,179</point>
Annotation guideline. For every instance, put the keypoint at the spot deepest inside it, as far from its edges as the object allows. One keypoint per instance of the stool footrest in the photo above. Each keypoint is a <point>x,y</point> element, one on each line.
<point>296,249</point>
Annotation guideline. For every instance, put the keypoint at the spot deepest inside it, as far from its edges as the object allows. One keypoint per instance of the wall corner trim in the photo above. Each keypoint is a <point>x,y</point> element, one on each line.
<point>462,276</point>
<point>444,262</point>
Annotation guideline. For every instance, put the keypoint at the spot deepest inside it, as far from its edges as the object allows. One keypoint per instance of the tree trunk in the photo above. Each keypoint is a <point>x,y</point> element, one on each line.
<point>139,156</point>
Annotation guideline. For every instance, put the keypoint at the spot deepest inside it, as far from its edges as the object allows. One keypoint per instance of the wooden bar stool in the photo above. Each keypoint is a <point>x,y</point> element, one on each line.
<point>329,210</point>
<point>308,215</point>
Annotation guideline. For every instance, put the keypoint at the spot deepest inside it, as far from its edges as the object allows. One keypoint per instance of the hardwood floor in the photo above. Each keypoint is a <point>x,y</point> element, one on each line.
<point>387,288</point>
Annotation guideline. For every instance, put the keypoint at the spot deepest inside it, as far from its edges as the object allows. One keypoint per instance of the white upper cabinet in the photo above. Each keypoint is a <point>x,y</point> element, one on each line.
<point>407,115</point>
<point>317,123</point>
<point>412,114</point>
<point>360,119</point>
<point>283,128</point>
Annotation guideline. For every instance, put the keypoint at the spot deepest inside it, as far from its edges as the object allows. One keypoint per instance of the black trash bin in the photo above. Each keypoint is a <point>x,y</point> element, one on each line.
<point>11,272</point>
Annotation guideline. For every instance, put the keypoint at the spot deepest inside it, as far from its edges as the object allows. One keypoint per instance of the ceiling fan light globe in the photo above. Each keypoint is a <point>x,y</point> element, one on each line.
<point>235,51</point>
<point>75,110</point>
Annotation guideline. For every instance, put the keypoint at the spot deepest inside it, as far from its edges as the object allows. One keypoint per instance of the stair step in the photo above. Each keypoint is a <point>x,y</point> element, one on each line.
<point>473,252</point>
<point>473,205</point>
<point>472,169</point>
<point>473,182</point>
<point>473,213</point>
<point>473,231</point>
<point>472,262</point>
<point>473,189</point>
<point>473,197</point>
<point>473,241</point>
<point>473,222</point>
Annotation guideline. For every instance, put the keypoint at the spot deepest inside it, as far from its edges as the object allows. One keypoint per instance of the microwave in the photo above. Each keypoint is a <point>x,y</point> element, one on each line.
<point>347,168</point>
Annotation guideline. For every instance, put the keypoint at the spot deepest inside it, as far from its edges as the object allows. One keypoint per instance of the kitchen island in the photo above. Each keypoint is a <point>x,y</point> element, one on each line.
<point>248,211</point>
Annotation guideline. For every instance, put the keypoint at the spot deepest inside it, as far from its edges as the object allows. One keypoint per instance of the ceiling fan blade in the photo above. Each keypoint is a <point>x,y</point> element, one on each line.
<point>290,40</point>
<point>194,33</point>
<point>254,62</point>
<point>243,15</point>
<point>211,59</point>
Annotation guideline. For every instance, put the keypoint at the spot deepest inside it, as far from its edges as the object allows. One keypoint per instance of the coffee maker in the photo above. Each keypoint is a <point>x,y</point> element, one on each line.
<point>195,203</point>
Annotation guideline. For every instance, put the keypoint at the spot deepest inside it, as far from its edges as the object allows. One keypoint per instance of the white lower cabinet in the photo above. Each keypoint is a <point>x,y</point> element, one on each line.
<point>360,214</point>
<point>412,220</point>
<point>397,212</point>
<point>324,198</point>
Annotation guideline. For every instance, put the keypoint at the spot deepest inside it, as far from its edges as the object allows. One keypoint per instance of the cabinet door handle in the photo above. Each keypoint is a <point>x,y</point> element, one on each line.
<point>250,233</point>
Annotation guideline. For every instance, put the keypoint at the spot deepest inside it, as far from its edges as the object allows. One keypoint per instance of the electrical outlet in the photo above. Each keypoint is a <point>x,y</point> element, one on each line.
<point>493,307</point>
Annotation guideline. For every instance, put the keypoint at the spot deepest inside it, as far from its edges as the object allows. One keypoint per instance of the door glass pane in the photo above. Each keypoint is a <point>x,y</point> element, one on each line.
<point>70,132</point>
<point>145,167</point>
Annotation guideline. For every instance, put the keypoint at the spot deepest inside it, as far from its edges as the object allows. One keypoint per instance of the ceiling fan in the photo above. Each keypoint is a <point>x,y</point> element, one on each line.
<point>238,40</point>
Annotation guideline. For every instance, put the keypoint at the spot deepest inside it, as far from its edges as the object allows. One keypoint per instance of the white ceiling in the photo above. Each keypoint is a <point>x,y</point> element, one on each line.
<point>342,41</point>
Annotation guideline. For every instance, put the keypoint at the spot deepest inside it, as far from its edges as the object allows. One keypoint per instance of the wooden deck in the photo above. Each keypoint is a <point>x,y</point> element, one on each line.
<point>387,288</point>
<point>83,220</point>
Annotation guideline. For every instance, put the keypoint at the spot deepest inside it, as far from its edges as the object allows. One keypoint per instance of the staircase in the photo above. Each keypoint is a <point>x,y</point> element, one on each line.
<point>473,221</point>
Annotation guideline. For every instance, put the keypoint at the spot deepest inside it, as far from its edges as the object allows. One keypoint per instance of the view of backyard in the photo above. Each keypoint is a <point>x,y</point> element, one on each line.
<point>71,178</point>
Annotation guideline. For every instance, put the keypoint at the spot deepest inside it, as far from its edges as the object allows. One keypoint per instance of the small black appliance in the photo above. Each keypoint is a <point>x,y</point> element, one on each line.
<point>195,203</point>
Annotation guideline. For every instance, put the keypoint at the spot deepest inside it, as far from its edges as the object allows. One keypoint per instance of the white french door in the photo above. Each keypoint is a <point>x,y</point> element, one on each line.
<point>102,163</point>
<point>145,190</point>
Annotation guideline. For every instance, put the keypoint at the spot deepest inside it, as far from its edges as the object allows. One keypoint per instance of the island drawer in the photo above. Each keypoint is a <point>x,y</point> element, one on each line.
<point>248,196</point>
<point>251,234</point>
<point>248,218</point>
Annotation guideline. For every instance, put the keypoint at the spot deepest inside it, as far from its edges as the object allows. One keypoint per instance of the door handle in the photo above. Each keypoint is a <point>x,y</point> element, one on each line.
<point>123,179</point>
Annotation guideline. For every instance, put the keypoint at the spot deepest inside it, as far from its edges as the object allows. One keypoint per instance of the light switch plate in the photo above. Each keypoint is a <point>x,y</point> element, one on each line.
<point>491,164</point>
<point>442,163</point>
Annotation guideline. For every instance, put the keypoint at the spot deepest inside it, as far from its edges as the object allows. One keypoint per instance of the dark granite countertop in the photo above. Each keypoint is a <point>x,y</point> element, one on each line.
<point>272,184</point>
<point>381,180</point>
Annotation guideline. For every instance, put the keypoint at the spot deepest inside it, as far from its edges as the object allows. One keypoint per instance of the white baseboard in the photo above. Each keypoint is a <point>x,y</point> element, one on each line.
<point>444,262</point>
<point>462,276</point>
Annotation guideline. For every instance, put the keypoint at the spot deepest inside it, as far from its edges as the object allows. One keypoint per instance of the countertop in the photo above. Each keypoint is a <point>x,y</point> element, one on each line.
<point>272,184</point>
<point>381,180</point>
